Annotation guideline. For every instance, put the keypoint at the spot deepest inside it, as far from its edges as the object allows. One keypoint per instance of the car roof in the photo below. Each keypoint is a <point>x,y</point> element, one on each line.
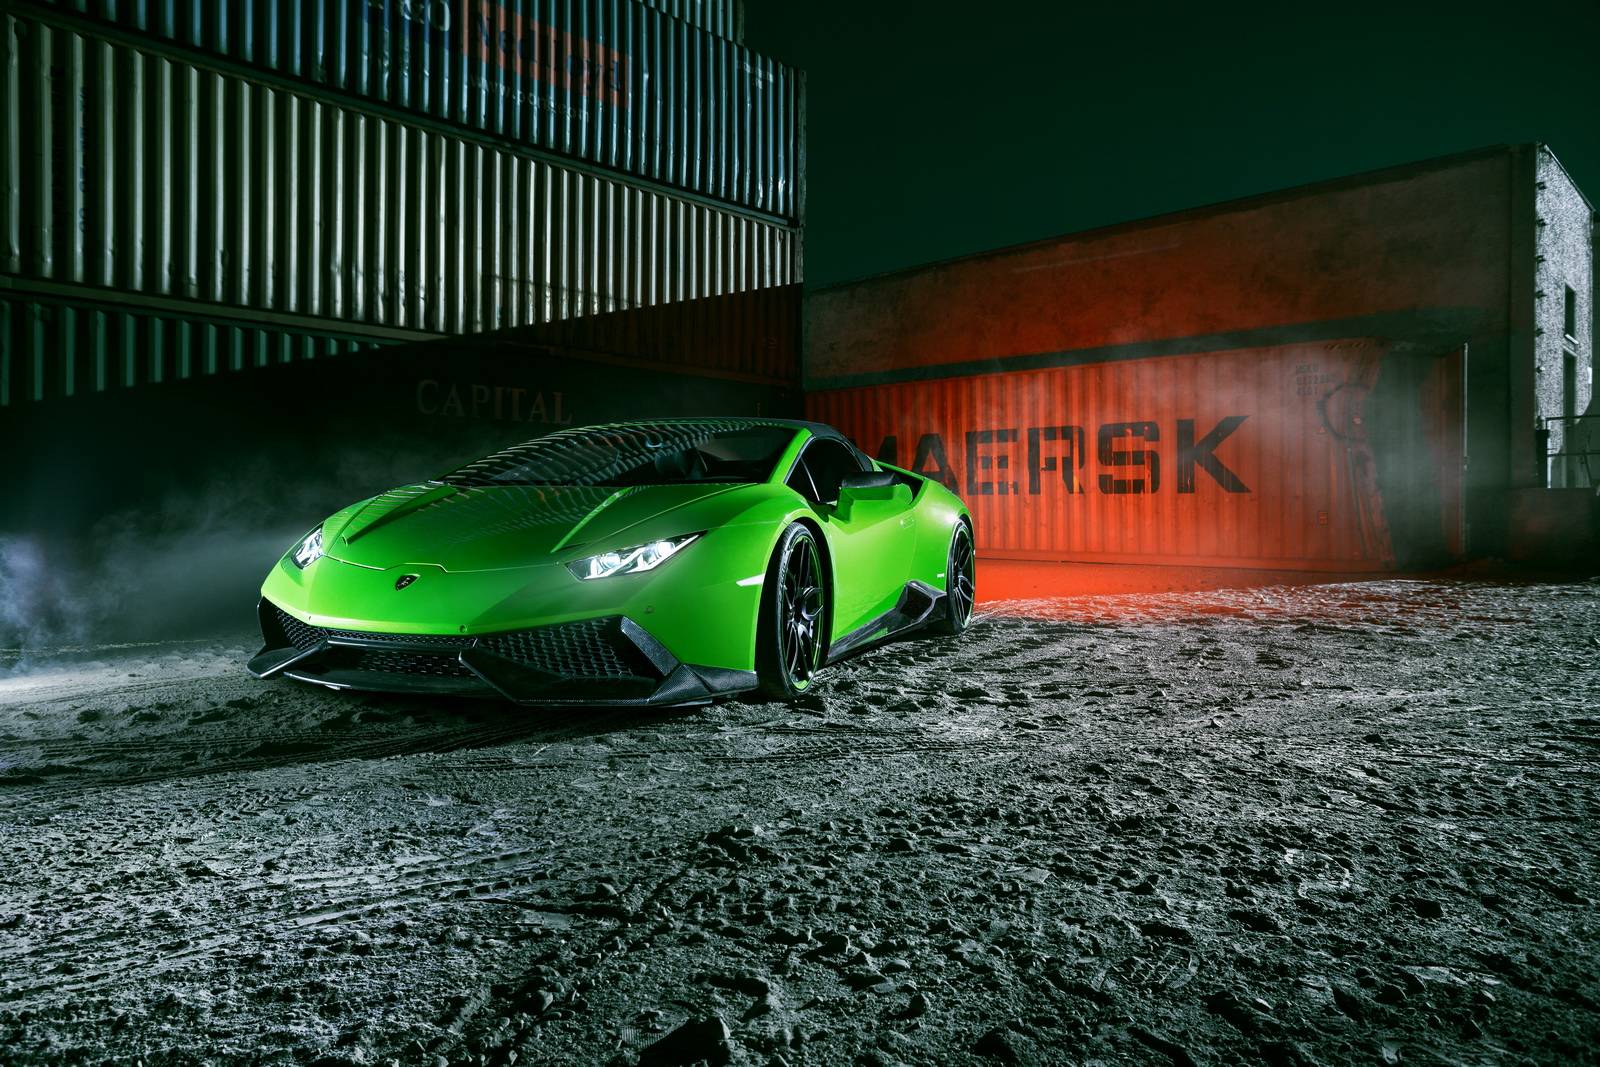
<point>709,425</point>
<point>727,422</point>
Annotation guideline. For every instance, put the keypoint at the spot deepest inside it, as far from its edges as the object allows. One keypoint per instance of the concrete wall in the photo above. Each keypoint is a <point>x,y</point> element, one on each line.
<point>1564,260</point>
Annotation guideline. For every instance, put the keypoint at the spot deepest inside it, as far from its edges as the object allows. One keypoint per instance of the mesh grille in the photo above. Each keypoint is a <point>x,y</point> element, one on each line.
<point>300,635</point>
<point>304,636</point>
<point>398,661</point>
<point>591,648</point>
<point>585,649</point>
<point>434,640</point>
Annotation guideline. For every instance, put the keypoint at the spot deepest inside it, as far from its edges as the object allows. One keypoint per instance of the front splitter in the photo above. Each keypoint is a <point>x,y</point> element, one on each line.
<point>473,668</point>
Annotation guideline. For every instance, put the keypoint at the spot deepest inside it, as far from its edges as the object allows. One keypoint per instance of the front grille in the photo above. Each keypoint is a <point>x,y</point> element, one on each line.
<point>588,649</point>
<point>404,661</point>
<point>441,641</point>
<point>592,648</point>
<point>305,636</point>
<point>300,635</point>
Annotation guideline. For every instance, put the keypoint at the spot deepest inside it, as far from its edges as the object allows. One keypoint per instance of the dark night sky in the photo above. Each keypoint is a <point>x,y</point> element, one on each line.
<point>938,129</point>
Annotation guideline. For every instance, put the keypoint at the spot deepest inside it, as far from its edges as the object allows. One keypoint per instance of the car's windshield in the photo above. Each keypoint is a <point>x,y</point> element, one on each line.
<point>667,453</point>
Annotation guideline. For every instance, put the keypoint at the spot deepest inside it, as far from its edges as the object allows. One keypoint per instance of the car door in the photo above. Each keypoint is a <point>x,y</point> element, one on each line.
<point>871,541</point>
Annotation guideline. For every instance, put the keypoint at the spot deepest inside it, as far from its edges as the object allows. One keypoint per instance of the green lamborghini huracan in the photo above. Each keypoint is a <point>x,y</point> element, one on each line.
<point>662,562</point>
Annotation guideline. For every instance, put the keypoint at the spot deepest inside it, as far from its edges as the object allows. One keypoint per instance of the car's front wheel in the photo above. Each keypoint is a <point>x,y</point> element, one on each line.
<point>790,638</point>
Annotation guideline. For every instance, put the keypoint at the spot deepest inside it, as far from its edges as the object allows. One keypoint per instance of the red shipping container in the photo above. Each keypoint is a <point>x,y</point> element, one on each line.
<point>1343,456</point>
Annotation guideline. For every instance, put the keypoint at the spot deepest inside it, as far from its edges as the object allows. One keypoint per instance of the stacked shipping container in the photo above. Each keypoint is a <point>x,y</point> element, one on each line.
<point>272,180</point>
<point>315,434</point>
<point>1294,381</point>
<point>619,83</point>
<point>725,17</point>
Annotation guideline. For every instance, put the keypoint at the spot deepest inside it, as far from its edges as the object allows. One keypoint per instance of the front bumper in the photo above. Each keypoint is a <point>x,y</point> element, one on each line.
<point>610,661</point>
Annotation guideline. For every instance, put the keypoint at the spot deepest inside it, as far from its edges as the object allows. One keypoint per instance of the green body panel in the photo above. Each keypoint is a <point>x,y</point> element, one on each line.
<point>491,559</point>
<point>937,512</point>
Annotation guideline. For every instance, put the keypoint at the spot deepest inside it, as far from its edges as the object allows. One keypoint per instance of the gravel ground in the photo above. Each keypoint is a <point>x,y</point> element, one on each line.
<point>1351,823</point>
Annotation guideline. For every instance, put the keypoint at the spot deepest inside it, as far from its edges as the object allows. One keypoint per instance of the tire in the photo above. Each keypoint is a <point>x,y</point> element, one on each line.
<point>960,583</point>
<point>791,635</point>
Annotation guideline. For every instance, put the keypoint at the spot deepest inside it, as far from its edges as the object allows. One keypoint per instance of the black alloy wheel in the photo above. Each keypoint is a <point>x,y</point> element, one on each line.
<point>791,643</point>
<point>960,581</point>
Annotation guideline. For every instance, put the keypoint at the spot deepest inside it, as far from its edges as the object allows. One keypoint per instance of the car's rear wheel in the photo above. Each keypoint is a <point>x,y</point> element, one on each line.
<point>790,638</point>
<point>960,582</point>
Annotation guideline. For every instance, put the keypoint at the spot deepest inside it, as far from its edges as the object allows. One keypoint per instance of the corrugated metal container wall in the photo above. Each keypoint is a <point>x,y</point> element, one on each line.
<point>56,350</point>
<point>1312,457</point>
<point>1407,251</point>
<point>724,17</point>
<point>613,82</point>
<point>148,175</point>
<point>751,336</point>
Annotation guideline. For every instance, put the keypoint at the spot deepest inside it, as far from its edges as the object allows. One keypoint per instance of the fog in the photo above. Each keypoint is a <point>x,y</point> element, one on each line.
<point>187,563</point>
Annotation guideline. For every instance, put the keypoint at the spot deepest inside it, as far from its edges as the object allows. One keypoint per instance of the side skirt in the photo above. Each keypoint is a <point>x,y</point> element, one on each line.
<point>918,603</point>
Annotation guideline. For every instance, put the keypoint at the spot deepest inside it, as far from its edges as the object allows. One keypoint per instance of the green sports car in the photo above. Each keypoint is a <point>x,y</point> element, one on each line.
<point>662,562</point>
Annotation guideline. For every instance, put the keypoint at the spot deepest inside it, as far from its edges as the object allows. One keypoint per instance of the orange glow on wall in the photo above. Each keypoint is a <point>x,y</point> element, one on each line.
<point>1340,457</point>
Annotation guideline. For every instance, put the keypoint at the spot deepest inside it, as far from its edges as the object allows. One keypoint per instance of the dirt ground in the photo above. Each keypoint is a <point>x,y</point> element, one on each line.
<point>1336,824</point>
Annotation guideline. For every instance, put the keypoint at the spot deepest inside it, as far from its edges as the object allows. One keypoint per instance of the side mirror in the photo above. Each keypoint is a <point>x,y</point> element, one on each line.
<point>867,485</point>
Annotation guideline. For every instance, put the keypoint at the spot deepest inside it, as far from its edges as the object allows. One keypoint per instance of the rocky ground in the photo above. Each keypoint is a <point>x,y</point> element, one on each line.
<point>1319,825</point>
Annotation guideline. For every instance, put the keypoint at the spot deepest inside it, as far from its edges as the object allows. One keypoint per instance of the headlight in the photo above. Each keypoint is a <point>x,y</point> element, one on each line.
<point>630,560</point>
<point>309,550</point>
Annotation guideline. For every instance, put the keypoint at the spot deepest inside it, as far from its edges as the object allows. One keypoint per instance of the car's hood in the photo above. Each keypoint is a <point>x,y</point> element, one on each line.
<point>496,527</point>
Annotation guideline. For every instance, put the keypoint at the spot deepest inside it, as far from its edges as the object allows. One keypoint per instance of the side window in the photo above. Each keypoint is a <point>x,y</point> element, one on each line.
<point>800,480</point>
<point>825,464</point>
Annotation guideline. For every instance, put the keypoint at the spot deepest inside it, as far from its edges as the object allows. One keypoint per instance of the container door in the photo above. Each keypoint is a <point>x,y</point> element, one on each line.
<point>1418,441</point>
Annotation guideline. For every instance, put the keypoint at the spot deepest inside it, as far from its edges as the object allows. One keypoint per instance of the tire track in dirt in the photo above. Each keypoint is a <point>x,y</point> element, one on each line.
<point>354,892</point>
<point>796,746</point>
<point>602,946</point>
<point>104,682</point>
<point>865,748</point>
<point>309,747</point>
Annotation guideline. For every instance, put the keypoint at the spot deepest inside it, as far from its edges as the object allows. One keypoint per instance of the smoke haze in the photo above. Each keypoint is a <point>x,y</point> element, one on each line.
<point>187,564</point>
